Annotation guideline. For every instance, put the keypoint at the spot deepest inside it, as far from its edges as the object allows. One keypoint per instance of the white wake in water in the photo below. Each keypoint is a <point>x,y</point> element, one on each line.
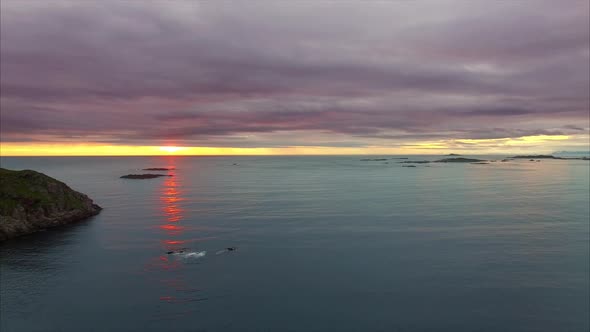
<point>191,255</point>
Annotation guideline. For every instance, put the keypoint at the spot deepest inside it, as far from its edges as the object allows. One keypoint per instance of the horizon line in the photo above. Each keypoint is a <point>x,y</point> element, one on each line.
<point>288,155</point>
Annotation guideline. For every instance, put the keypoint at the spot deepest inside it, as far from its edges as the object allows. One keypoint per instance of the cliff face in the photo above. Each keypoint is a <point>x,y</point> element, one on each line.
<point>31,201</point>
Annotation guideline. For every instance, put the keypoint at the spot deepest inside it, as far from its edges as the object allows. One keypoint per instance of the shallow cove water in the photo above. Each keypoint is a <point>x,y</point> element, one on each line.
<point>322,244</point>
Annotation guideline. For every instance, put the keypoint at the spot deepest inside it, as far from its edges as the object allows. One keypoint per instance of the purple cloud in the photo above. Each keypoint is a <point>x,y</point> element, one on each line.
<point>203,73</point>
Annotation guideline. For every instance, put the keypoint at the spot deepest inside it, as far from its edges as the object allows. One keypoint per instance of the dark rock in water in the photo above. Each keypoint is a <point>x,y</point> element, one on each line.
<point>158,169</point>
<point>414,162</point>
<point>231,248</point>
<point>408,166</point>
<point>400,158</point>
<point>31,201</point>
<point>482,163</point>
<point>143,176</point>
<point>378,159</point>
<point>531,159</point>
<point>453,154</point>
<point>180,251</point>
<point>459,160</point>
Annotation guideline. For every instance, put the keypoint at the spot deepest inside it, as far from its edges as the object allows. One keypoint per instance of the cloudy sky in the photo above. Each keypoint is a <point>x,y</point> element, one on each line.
<point>294,76</point>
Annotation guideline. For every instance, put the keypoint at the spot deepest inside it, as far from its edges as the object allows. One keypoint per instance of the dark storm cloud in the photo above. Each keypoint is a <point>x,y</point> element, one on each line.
<point>200,71</point>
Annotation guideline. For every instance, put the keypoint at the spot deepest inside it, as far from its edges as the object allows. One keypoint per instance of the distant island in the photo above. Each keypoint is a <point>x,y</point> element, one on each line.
<point>459,160</point>
<point>31,201</point>
<point>143,176</point>
<point>445,160</point>
<point>537,156</point>
<point>158,169</point>
<point>548,156</point>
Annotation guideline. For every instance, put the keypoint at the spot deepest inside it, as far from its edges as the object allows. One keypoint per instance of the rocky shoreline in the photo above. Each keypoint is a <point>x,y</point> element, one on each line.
<point>31,201</point>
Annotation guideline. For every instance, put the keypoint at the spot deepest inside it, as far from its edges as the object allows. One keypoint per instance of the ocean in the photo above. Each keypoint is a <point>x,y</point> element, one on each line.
<point>322,243</point>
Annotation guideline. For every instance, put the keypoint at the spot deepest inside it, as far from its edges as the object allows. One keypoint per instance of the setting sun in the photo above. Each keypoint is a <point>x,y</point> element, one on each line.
<point>171,149</point>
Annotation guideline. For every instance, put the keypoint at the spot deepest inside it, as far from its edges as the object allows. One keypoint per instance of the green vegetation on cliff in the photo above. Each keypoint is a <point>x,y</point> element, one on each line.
<point>31,201</point>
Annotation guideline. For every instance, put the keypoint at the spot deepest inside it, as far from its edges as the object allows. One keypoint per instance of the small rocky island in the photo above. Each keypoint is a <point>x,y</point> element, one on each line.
<point>446,160</point>
<point>31,201</point>
<point>459,160</point>
<point>143,176</point>
<point>537,156</point>
<point>548,156</point>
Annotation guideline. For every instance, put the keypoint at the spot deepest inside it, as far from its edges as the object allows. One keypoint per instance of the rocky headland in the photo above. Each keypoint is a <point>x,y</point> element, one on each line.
<point>31,201</point>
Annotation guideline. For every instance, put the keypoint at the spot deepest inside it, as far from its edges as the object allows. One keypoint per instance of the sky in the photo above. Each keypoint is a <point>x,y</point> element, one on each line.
<point>294,77</point>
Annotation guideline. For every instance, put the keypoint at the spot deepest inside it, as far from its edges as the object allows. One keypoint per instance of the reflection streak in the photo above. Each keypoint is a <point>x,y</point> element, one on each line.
<point>176,289</point>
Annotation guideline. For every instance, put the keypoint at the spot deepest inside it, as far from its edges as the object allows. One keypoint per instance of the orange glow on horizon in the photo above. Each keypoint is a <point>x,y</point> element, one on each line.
<point>540,143</point>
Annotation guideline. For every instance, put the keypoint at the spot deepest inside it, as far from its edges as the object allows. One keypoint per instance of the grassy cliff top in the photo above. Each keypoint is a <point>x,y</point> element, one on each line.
<point>31,189</point>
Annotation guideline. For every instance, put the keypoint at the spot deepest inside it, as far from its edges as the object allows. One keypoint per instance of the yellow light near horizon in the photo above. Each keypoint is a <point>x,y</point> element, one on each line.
<point>171,149</point>
<point>91,149</point>
<point>542,138</point>
<point>541,144</point>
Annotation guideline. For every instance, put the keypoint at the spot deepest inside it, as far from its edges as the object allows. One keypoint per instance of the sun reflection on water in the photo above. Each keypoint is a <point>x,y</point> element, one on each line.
<point>171,199</point>
<point>175,288</point>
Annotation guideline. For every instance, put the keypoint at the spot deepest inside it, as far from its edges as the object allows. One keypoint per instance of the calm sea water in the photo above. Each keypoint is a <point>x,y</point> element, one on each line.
<point>323,244</point>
